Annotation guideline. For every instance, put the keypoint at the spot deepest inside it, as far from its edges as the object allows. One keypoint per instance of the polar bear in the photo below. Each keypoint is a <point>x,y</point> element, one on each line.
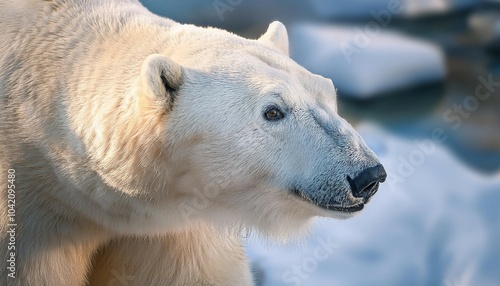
<point>135,150</point>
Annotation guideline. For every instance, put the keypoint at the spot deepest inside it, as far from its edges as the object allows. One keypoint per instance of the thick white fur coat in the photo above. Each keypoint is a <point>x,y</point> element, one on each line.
<point>141,151</point>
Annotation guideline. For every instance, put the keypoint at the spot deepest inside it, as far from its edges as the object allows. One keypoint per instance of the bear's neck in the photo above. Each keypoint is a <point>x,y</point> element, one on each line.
<point>117,144</point>
<point>119,136</point>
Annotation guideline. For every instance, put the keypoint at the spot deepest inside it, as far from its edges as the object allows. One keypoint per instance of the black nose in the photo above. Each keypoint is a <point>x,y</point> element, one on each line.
<point>366,183</point>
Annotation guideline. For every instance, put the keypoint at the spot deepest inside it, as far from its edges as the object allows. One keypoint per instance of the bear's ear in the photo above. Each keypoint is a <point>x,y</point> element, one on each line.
<point>161,78</point>
<point>277,37</point>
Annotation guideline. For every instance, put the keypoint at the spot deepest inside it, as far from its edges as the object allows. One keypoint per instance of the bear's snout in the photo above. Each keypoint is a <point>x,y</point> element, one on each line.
<point>366,183</point>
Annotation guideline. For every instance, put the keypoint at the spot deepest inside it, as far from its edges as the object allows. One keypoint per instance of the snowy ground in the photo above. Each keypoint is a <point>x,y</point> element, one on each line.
<point>436,222</point>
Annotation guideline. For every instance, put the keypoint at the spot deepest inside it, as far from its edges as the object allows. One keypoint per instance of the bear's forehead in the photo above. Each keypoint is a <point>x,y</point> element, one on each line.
<point>282,70</point>
<point>231,54</point>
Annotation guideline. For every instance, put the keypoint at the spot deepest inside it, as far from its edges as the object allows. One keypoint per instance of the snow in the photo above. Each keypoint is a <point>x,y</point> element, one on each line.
<point>365,61</point>
<point>440,225</point>
<point>408,8</point>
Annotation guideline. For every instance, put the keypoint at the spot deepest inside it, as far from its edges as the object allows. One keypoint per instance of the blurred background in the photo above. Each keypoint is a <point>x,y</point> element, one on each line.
<point>420,80</point>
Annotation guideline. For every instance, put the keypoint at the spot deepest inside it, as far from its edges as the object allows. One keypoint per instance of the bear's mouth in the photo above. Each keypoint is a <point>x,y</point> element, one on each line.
<point>330,206</point>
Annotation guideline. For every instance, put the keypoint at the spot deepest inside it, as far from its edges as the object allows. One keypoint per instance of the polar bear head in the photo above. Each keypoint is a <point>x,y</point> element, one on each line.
<point>254,137</point>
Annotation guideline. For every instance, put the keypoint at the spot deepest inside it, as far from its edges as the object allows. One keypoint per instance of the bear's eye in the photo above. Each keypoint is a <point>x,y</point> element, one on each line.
<point>273,113</point>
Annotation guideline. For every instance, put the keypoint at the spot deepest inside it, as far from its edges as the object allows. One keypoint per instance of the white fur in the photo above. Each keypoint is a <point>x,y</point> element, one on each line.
<point>116,172</point>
